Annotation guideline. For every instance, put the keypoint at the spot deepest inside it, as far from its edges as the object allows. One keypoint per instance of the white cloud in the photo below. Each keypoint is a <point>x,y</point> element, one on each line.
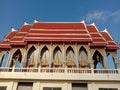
<point>116,16</point>
<point>103,16</point>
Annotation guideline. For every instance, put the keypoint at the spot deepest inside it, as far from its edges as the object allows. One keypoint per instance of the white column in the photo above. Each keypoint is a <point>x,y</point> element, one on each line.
<point>9,59</point>
<point>1,55</point>
<point>1,59</point>
<point>10,87</point>
<point>37,57</point>
<point>105,62</point>
<point>51,55</point>
<point>116,61</point>
<point>67,86</point>
<point>63,54</point>
<point>15,85</point>
<point>91,86</point>
<point>36,86</point>
<point>90,59</point>
<point>23,60</point>
<point>76,55</point>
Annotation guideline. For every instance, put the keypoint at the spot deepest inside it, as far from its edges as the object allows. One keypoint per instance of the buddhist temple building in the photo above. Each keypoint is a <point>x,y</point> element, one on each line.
<point>59,56</point>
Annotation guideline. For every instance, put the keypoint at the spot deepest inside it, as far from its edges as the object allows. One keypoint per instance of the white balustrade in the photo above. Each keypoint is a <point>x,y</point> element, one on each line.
<point>60,70</point>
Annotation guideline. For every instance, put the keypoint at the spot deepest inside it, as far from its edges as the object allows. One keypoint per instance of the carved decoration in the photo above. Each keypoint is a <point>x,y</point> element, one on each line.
<point>32,62</point>
<point>44,62</point>
<point>57,63</point>
<point>70,63</point>
<point>82,63</point>
<point>15,59</point>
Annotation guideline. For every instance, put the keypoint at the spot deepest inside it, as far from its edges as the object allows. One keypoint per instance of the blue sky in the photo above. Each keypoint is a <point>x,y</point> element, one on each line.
<point>105,13</point>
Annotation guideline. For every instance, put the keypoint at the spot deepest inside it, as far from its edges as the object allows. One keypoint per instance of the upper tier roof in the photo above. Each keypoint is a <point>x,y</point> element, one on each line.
<point>97,38</point>
<point>111,43</point>
<point>59,32</point>
<point>6,41</point>
<point>18,38</point>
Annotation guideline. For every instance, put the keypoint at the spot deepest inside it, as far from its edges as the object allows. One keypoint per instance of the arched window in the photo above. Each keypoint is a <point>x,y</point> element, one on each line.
<point>57,57</point>
<point>44,53</point>
<point>70,53</point>
<point>31,56</point>
<point>83,58</point>
<point>4,60</point>
<point>57,53</point>
<point>70,57</point>
<point>44,56</point>
<point>111,61</point>
<point>98,60</point>
<point>16,59</point>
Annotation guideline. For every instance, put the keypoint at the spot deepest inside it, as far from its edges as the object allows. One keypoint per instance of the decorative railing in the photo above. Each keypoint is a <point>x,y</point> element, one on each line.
<point>60,70</point>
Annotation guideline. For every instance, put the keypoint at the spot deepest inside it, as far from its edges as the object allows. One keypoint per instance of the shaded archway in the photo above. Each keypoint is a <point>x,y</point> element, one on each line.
<point>16,59</point>
<point>57,57</point>
<point>70,57</point>
<point>83,58</point>
<point>4,59</point>
<point>44,57</point>
<point>57,53</point>
<point>70,53</point>
<point>31,57</point>
<point>111,61</point>
<point>97,60</point>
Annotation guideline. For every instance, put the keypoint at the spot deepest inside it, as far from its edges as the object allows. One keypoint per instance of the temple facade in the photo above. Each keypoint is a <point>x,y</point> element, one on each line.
<point>59,56</point>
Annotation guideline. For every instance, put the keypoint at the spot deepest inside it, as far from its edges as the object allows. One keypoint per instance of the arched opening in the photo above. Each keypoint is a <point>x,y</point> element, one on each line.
<point>44,57</point>
<point>70,53</point>
<point>16,59</point>
<point>83,58</point>
<point>70,57</point>
<point>57,57</point>
<point>4,59</point>
<point>57,53</point>
<point>97,60</point>
<point>118,51</point>
<point>31,57</point>
<point>111,61</point>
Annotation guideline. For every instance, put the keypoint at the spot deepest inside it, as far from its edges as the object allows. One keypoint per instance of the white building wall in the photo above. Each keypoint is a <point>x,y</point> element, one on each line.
<point>65,85</point>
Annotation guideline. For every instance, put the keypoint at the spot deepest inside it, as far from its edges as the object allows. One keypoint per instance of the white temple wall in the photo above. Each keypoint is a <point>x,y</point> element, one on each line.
<point>64,85</point>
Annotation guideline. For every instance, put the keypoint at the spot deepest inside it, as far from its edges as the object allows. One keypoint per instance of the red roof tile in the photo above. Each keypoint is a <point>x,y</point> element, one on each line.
<point>5,43</point>
<point>97,38</point>
<point>74,32</point>
<point>111,44</point>
<point>18,39</point>
<point>47,25</point>
<point>59,32</point>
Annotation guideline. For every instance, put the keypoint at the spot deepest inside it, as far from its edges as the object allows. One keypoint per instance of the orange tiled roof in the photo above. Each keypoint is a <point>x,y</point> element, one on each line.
<point>18,38</point>
<point>111,44</point>
<point>5,43</point>
<point>97,38</point>
<point>59,32</point>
